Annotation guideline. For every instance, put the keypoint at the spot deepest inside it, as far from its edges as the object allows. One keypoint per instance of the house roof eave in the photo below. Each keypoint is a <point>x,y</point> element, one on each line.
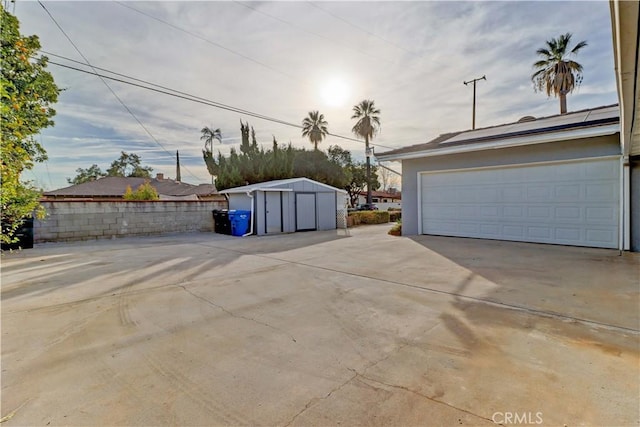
<point>544,138</point>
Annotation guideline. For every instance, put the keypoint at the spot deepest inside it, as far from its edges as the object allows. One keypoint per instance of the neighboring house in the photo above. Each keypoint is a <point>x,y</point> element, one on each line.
<point>288,205</point>
<point>625,16</point>
<point>555,180</point>
<point>383,199</point>
<point>114,187</point>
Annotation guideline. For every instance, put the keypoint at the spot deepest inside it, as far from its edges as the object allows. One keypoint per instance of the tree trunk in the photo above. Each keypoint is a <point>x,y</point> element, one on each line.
<point>563,102</point>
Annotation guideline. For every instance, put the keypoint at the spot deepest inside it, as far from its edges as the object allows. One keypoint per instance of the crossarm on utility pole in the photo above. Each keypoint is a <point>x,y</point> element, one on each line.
<point>473,119</point>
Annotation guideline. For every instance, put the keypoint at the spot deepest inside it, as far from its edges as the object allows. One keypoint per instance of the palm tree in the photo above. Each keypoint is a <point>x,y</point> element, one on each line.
<point>366,127</point>
<point>315,127</point>
<point>208,135</point>
<point>555,73</point>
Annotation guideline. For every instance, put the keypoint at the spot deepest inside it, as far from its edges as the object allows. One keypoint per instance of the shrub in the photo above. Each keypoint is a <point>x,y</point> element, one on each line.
<point>369,217</point>
<point>396,230</point>
<point>144,192</point>
<point>395,216</point>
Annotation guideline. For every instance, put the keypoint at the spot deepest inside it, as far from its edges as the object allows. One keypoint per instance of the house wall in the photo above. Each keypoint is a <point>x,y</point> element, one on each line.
<point>88,220</point>
<point>635,204</point>
<point>563,150</point>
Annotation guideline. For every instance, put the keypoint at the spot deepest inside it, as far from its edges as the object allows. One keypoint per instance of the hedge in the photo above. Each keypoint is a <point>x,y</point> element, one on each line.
<point>368,217</point>
<point>395,216</point>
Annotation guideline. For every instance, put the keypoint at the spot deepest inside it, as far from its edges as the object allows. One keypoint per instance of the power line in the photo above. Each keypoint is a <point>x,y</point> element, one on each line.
<point>204,39</point>
<point>107,85</point>
<point>221,105</point>
<point>304,30</point>
<point>144,84</point>
<point>364,30</point>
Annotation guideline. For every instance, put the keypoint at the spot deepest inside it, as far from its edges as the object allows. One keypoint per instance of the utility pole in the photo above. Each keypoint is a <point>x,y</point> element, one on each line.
<point>473,120</point>
<point>178,177</point>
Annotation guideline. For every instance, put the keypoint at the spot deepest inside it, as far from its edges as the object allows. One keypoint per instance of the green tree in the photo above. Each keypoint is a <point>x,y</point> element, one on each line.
<point>314,126</point>
<point>251,164</point>
<point>555,73</point>
<point>86,175</point>
<point>318,166</point>
<point>209,134</point>
<point>355,173</point>
<point>27,92</point>
<point>129,165</point>
<point>366,127</point>
<point>143,192</point>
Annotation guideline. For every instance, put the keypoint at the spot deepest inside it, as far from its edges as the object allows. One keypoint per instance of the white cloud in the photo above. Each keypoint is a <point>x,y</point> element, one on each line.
<point>410,57</point>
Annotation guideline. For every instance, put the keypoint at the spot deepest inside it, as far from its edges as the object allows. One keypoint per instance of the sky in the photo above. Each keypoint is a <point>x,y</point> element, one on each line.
<point>284,59</point>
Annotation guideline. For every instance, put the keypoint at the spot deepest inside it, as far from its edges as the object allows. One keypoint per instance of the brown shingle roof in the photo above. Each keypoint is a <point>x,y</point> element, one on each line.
<point>115,186</point>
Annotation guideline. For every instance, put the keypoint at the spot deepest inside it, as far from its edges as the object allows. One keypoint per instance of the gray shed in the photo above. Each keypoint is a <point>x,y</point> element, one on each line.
<point>289,205</point>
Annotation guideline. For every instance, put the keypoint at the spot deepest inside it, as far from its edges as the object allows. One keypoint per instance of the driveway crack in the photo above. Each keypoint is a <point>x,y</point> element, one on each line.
<point>238,316</point>
<point>424,396</point>
<point>317,399</point>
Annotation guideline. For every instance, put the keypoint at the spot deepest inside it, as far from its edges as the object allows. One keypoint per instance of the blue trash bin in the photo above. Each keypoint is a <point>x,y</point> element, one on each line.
<point>239,222</point>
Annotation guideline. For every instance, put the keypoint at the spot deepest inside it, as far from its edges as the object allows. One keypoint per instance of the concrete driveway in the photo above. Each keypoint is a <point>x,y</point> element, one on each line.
<point>321,328</point>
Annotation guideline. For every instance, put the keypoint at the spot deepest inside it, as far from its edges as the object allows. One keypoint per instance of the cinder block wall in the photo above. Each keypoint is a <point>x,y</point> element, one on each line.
<point>86,220</point>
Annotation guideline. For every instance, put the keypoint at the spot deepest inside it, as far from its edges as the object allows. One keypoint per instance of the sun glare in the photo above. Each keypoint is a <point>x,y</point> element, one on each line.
<point>335,92</point>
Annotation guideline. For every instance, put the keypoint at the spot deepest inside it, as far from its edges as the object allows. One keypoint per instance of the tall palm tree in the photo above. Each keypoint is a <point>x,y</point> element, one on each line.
<point>555,73</point>
<point>209,135</point>
<point>315,127</point>
<point>367,126</point>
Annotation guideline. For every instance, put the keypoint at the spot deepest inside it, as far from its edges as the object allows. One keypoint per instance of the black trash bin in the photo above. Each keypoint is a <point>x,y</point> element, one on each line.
<point>222,224</point>
<point>24,233</point>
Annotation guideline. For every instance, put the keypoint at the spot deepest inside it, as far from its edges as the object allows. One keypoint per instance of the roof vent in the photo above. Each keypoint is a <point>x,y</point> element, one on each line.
<point>526,119</point>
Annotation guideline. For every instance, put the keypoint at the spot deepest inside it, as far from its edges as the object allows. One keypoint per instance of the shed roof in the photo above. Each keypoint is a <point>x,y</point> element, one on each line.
<point>115,186</point>
<point>579,124</point>
<point>272,186</point>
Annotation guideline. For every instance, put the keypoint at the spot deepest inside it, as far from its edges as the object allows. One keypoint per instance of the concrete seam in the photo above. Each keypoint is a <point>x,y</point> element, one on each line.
<point>316,399</point>
<point>232,314</point>
<point>529,310</point>
<point>432,399</point>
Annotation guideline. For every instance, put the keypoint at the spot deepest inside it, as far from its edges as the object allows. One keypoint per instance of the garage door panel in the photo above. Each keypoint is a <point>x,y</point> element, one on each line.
<point>513,194</point>
<point>513,212</point>
<point>601,192</point>
<point>552,203</point>
<point>600,235</point>
<point>539,212</point>
<point>568,192</point>
<point>599,171</point>
<point>513,231</point>
<point>540,232</point>
<point>597,214</point>
<point>568,213</point>
<point>538,193</point>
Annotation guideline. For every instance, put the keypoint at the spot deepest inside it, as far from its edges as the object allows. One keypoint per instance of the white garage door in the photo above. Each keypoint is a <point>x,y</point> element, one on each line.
<point>573,203</point>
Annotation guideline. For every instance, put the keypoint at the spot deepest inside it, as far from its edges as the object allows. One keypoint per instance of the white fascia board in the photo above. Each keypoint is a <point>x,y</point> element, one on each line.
<point>251,190</point>
<point>511,142</point>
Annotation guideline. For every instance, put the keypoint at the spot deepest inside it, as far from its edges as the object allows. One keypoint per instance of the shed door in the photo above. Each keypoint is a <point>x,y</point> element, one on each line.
<point>306,211</point>
<point>273,211</point>
<point>573,203</point>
